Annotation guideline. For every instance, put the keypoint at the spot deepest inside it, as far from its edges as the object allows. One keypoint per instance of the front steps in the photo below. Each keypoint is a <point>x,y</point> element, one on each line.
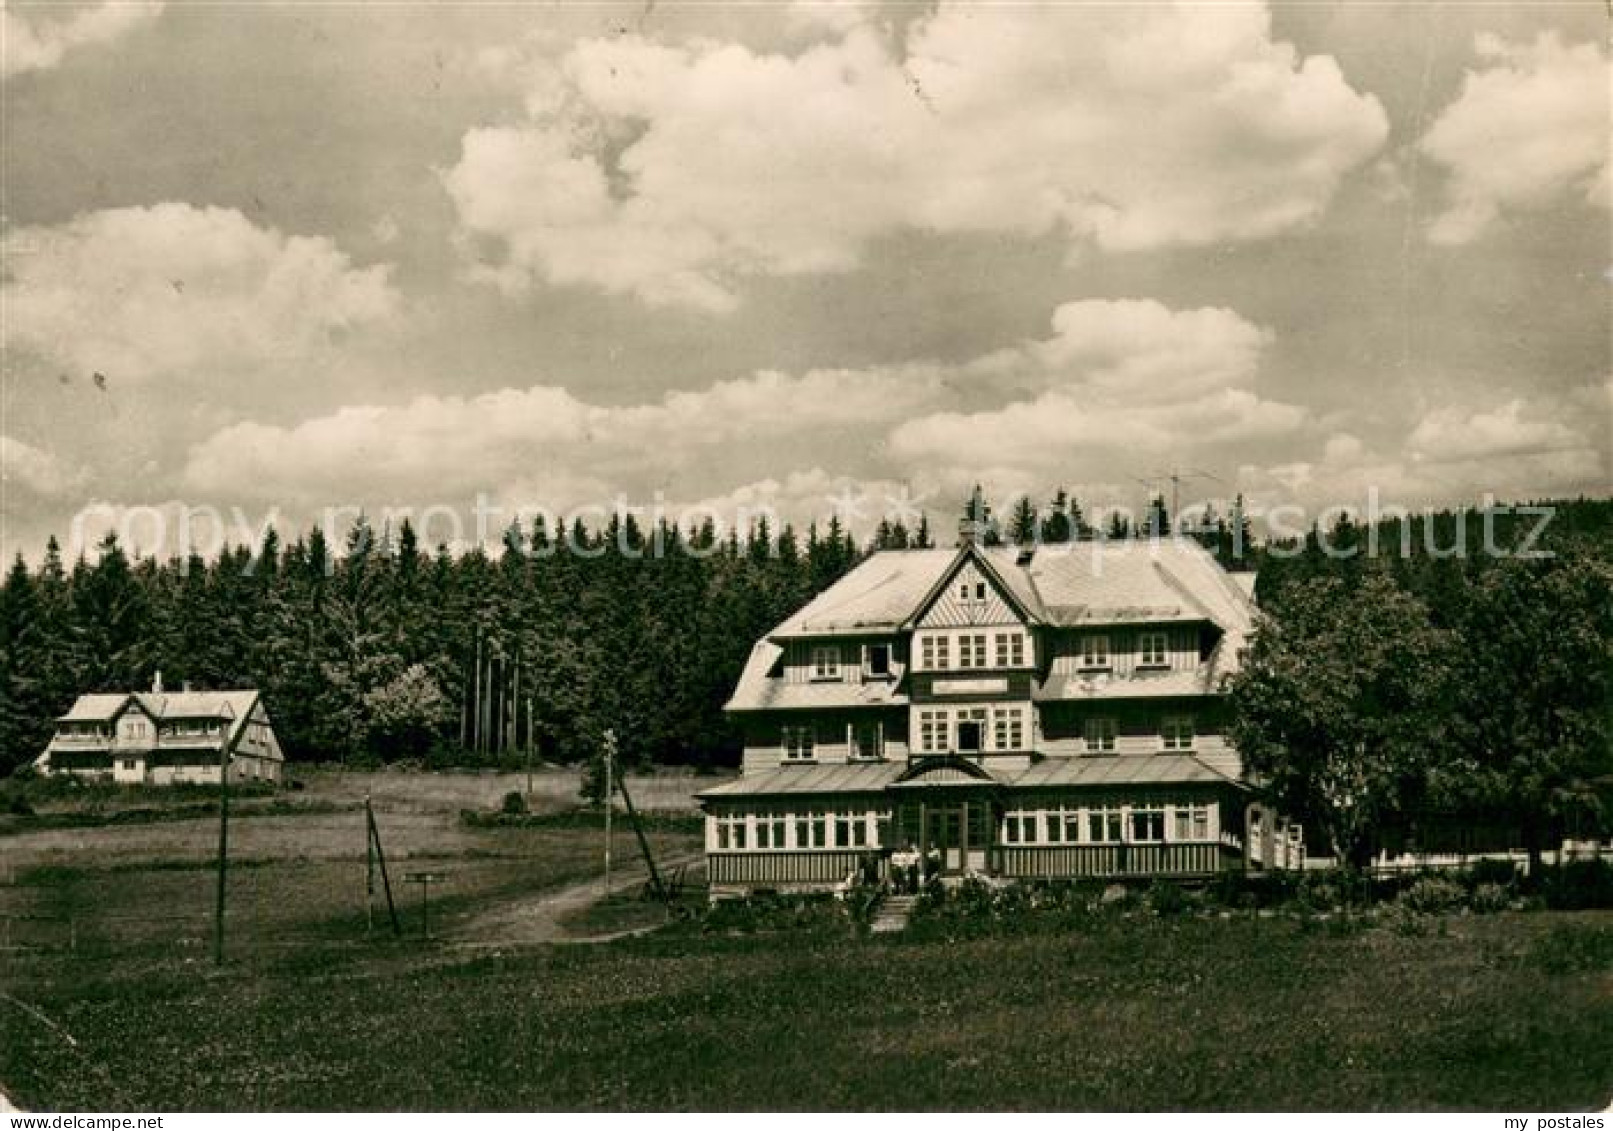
<point>893,914</point>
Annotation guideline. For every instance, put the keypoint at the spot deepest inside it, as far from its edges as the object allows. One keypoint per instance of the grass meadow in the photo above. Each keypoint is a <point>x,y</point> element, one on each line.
<point>1507,1011</point>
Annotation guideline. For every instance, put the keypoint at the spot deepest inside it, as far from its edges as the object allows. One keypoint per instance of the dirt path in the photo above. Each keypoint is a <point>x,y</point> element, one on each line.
<point>537,919</point>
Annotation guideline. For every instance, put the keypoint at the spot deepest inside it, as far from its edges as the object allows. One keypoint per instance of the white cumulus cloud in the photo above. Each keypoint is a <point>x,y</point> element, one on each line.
<point>675,172</point>
<point>144,293</point>
<point>35,470</point>
<point>1529,129</point>
<point>39,40</point>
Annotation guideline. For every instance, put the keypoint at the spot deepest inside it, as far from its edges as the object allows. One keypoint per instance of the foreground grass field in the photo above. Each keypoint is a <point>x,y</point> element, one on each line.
<point>127,1011</point>
<point>1495,1012</point>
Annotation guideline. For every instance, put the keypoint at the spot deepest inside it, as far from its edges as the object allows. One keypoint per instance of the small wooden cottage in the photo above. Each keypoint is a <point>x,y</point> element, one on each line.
<point>165,738</point>
<point>1015,713</point>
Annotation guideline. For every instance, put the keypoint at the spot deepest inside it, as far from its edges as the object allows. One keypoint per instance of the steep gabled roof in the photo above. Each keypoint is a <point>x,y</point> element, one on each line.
<point>1083,583</point>
<point>97,707</point>
<point>878,595</point>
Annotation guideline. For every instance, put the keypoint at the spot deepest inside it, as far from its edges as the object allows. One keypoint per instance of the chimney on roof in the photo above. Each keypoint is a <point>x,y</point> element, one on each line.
<point>185,687</point>
<point>156,683</point>
<point>976,520</point>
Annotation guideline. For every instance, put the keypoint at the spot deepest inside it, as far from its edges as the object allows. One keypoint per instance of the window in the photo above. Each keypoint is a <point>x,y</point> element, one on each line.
<point>1008,727</point>
<point>866,740</point>
<point>1147,824</point>
<point>1019,828</point>
<point>128,765</point>
<point>1103,825</point>
<point>980,591</point>
<point>1192,822</point>
<point>811,830</point>
<point>972,650</point>
<point>851,830</point>
<point>935,652</point>
<point>963,592</point>
<point>968,736</point>
<point>972,592</point>
<point>1151,650</point>
<point>972,730</point>
<point>1101,735</point>
<point>770,830</point>
<point>1010,649</point>
<point>1094,652</point>
<point>730,832</point>
<point>879,659</point>
<point>932,731</point>
<point>798,744</point>
<point>1054,826</point>
<point>1176,733</point>
<point>826,661</point>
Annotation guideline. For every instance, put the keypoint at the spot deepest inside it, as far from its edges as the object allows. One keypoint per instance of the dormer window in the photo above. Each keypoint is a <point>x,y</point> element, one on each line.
<point>799,743</point>
<point>826,661</point>
<point>878,660</point>
<point>1094,653</point>
<point>1176,732</point>
<point>866,740</point>
<point>1151,651</point>
<point>1100,735</point>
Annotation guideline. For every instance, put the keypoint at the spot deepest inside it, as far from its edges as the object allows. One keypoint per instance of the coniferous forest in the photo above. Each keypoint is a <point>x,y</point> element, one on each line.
<point>380,649</point>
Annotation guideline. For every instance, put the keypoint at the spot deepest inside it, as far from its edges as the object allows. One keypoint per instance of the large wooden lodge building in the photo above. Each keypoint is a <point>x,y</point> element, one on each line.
<point>1054,712</point>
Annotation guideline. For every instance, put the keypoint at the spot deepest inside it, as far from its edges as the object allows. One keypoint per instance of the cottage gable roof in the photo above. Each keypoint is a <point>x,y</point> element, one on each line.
<point>231,708</point>
<point>98,707</point>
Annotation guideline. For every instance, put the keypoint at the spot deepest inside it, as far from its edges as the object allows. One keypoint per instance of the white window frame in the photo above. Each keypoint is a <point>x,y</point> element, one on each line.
<point>1008,728</point>
<point>1176,733</point>
<point>935,652</point>
<point>1153,649</point>
<point>1101,733</point>
<point>972,651</point>
<point>1010,649</point>
<point>980,718</point>
<point>854,744</point>
<point>1190,821</point>
<point>1136,812</point>
<point>1111,820</point>
<point>826,662</point>
<point>934,731</point>
<point>798,743</point>
<point>1095,654</point>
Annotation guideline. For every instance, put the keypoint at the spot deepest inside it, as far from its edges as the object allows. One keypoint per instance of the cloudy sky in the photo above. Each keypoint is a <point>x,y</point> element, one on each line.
<point>292,257</point>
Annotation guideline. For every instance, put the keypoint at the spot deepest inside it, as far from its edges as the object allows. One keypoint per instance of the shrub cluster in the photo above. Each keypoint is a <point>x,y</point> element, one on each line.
<point>1403,902</point>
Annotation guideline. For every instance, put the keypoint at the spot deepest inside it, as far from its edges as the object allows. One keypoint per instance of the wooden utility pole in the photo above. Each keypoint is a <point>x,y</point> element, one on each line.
<point>512,737</point>
<point>610,764</point>
<point>378,857</point>
<point>529,746</point>
<point>644,845</point>
<point>475,704</point>
<point>223,849</point>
